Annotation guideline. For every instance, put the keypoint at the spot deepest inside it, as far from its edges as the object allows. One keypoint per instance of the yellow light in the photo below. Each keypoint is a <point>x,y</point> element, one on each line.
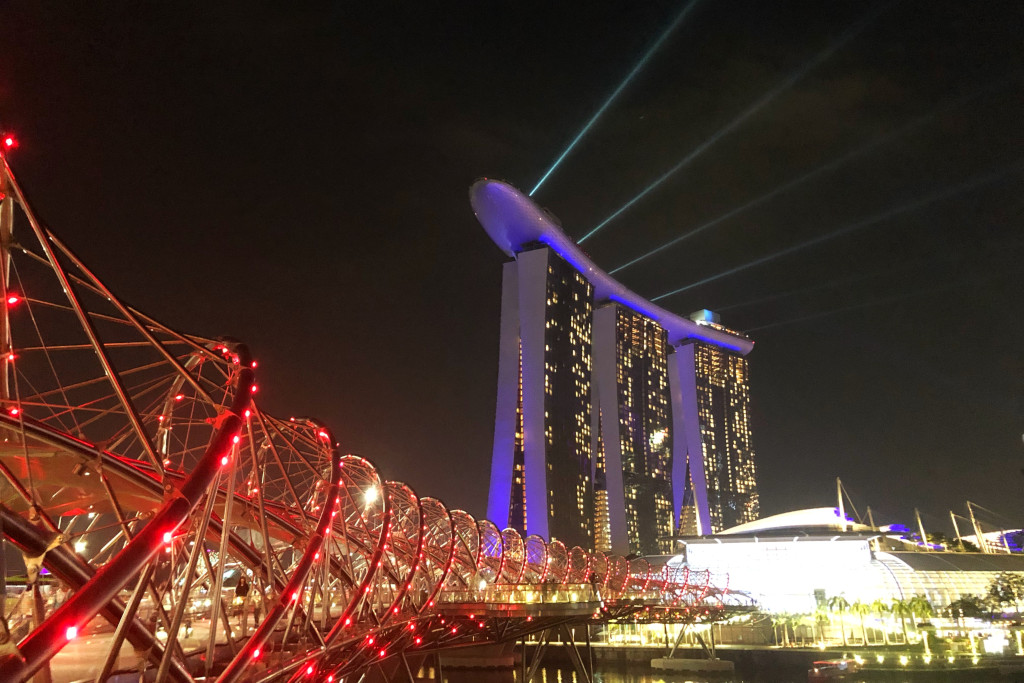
<point>904,659</point>
<point>880,658</point>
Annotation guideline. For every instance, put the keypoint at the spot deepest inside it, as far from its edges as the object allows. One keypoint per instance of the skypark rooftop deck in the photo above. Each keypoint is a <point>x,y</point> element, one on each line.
<point>514,221</point>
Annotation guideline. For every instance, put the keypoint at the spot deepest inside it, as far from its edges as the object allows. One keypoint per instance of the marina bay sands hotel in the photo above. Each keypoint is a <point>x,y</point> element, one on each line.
<point>618,423</point>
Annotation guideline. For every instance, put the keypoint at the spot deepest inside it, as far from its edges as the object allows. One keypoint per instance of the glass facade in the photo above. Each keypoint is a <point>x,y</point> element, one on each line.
<point>644,433</point>
<point>723,405</point>
<point>568,306</point>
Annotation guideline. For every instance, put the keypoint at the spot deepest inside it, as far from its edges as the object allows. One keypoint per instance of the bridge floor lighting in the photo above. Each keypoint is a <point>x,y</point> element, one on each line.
<point>912,205</point>
<point>615,93</point>
<point>757,106</point>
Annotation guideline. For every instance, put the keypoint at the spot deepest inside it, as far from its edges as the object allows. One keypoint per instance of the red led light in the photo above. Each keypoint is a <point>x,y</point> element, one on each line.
<point>14,411</point>
<point>10,142</point>
<point>254,365</point>
<point>71,633</point>
<point>383,653</point>
<point>309,670</point>
<point>179,397</point>
<point>236,439</point>
<point>224,460</point>
<point>369,641</point>
<point>254,388</point>
<point>295,596</point>
<point>13,299</point>
<point>256,653</point>
<point>168,537</point>
<point>418,640</point>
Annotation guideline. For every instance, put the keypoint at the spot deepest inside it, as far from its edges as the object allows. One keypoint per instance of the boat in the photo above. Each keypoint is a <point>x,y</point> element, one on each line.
<point>831,670</point>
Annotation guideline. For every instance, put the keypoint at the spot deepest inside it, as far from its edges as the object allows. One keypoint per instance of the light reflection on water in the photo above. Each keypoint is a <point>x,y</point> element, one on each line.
<point>554,674</point>
<point>605,673</point>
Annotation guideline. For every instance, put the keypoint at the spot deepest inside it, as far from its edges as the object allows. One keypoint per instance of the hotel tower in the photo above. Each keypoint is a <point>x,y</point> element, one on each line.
<point>618,423</point>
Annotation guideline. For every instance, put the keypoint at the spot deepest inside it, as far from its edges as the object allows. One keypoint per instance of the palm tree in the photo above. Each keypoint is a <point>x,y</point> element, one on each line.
<point>920,607</point>
<point>881,608</point>
<point>821,618</point>
<point>862,610</point>
<point>837,603</point>
<point>901,608</point>
<point>788,621</point>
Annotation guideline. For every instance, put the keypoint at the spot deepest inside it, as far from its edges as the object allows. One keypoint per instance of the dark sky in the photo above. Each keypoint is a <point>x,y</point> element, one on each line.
<point>295,175</point>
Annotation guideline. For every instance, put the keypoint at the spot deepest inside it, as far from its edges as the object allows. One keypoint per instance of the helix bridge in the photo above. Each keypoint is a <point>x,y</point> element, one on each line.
<point>140,481</point>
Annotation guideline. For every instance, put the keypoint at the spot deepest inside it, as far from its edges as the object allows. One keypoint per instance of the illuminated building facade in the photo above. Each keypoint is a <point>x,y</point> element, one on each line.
<point>610,453</point>
<point>633,474</point>
<point>713,417</point>
<point>543,426</point>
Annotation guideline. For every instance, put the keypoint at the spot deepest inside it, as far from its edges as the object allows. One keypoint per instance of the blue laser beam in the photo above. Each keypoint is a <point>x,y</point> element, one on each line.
<point>816,172</point>
<point>782,87</point>
<point>1006,247</point>
<point>912,205</point>
<point>611,98</point>
<point>821,286</point>
<point>879,302</point>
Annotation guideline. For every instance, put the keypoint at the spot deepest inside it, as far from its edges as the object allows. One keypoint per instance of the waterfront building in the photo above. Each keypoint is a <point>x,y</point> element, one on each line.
<point>633,475</point>
<point>606,400</point>
<point>543,430</point>
<point>795,562</point>
<point>716,426</point>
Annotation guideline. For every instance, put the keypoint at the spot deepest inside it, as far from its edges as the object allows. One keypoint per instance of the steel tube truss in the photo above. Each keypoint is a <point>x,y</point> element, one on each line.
<point>160,510</point>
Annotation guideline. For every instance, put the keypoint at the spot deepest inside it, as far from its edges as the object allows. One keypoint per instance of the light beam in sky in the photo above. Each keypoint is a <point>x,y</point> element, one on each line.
<point>782,87</point>
<point>814,173</point>
<point>611,98</point>
<point>880,301</point>
<point>906,207</point>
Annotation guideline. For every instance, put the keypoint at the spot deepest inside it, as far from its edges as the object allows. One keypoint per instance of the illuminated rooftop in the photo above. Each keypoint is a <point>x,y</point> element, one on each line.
<point>514,222</point>
<point>810,519</point>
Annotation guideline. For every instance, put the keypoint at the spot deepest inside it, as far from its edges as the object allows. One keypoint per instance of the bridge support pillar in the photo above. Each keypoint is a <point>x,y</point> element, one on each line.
<point>584,670</point>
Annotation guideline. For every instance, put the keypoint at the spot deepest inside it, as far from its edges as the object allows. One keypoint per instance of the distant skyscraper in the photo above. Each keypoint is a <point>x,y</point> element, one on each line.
<point>634,469</point>
<point>620,453</point>
<point>713,417</point>
<point>543,430</point>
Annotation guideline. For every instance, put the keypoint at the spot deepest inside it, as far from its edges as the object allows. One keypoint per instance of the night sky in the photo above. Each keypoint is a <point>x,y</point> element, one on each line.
<point>295,175</point>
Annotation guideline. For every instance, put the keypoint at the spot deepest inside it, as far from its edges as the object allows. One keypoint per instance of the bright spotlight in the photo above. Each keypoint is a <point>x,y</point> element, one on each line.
<point>371,495</point>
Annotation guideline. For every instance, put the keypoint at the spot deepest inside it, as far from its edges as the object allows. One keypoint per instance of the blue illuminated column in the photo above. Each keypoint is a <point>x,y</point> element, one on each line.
<point>686,436</point>
<point>518,492</point>
<point>541,476</point>
<point>605,371</point>
<point>499,499</point>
